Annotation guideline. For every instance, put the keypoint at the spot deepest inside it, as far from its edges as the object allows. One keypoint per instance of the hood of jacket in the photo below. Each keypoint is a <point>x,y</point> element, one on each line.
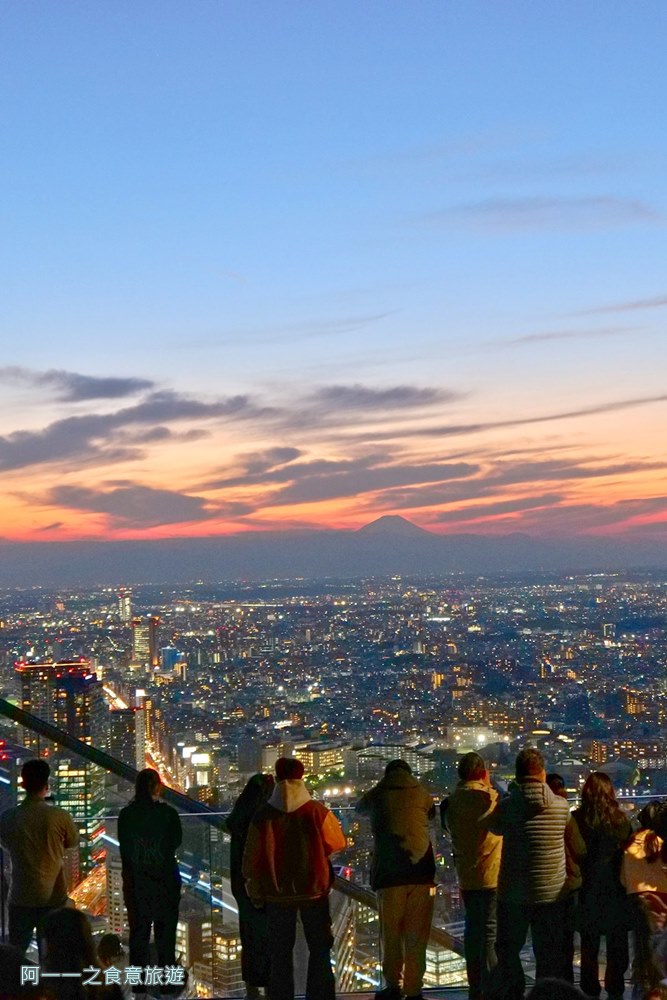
<point>529,797</point>
<point>289,795</point>
<point>468,795</point>
<point>399,778</point>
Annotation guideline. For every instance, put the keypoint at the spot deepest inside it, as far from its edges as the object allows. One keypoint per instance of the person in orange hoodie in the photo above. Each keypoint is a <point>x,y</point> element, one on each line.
<point>287,869</point>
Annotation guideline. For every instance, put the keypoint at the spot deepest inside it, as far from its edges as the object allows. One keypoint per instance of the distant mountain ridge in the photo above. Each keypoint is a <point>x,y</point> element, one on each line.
<point>387,546</point>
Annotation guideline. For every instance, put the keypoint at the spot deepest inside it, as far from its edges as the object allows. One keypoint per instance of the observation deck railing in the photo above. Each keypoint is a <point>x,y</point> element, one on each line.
<point>93,786</point>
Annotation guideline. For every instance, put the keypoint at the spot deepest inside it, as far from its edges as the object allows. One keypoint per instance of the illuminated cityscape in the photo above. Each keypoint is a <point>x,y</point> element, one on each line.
<point>331,390</point>
<point>346,676</point>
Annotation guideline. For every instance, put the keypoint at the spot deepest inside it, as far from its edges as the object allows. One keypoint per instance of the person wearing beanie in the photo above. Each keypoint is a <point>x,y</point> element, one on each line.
<point>403,875</point>
<point>287,870</point>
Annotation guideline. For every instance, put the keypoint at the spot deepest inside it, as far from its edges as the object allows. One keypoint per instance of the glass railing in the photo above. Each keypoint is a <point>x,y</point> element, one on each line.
<point>208,940</point>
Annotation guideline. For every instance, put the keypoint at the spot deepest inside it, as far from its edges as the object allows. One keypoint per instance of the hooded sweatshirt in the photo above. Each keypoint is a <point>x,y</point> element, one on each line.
<point>290,839</point>
<point>476,850</point>
<point>532,821</point>
<point>400,808</point>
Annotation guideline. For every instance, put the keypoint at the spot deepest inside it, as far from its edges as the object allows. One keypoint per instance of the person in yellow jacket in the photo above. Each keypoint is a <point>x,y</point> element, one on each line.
<point>466,815</point>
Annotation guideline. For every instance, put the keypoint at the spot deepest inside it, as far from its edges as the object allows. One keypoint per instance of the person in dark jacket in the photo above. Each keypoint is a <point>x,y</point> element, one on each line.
<point>287,869</point>
<point>603,909</point>
<point>532,884</point>
<point>252,921</point>
<point>149,831</point>
<point>403,875</point>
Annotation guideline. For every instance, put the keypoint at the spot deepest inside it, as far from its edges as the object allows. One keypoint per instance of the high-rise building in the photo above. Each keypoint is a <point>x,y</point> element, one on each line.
<point>125,607</point>
<point>145,641</point>
<point>221,970</point>
<point>116,912</point>
<point>127,736</point>
<point>36,681</point>
<point>66,694</point>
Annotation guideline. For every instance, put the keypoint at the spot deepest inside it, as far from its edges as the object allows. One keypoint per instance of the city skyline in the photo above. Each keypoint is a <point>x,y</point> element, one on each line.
<point>304,267</point>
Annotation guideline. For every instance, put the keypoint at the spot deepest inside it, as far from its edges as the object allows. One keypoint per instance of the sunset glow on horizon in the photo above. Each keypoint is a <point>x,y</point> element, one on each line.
<point>301,267</point>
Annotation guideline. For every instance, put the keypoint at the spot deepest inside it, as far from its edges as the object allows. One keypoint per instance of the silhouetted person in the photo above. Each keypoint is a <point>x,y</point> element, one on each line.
<point>403,875</point>
<point>36,834</point>
<point>149,831</point>
<point>603,909</point>
<point>477,859</point>
<point>255,967</point>
<point>532,880</point>
<point>69,948</point>
<point>112,955</point>
<point>287,869</point>
<point>11,988</point>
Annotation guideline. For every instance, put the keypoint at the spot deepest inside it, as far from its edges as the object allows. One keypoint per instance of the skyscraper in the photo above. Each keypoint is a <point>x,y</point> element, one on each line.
<point>66,694</point>
<point>116,912</point>
<point>125,607</point>
<point>145,647</point>
<point>127,736</point>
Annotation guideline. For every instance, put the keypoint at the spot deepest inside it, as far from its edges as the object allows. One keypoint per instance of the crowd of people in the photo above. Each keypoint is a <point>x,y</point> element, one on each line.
<point>524,861</point>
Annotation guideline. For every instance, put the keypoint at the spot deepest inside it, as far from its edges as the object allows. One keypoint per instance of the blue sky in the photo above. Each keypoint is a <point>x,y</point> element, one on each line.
<point>268,199</point>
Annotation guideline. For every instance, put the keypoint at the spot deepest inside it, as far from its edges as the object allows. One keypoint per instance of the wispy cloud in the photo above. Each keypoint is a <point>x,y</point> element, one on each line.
<point>96,437</point>
<point>72,387</point>
<point>479,511</point>
<point>339,406</point>
<point>556,335</point>
<point>315,482</point>
<point>497,478</point>
<point>546,213</point>
<point>362,397</point>
<point>132,505</point>
<point>658,302</point>
<point>453,430</point>
<point>292,332</point>
<point>583,518</point>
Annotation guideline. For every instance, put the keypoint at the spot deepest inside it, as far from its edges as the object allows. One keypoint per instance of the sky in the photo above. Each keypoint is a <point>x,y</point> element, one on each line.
<point>289,265</point>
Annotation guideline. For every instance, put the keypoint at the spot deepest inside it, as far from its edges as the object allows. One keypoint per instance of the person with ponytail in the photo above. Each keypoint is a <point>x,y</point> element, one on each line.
<point>603,910</point>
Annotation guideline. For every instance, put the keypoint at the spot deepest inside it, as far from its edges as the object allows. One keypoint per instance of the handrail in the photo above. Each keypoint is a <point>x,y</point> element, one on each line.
<point>108,763</point>
<point>102,759</point>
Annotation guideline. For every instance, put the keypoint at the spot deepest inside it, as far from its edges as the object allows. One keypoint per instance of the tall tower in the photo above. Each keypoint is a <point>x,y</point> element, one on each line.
<point>127,736</point>
<point>125,607</point>
<point>66,694</point>
<point>116,912</point>
<point>145,645</point>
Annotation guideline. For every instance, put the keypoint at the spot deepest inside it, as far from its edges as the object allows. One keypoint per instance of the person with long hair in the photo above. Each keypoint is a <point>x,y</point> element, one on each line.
<point>603,910</point>
<point>149,831</point>
<point>71,957</point>
<point>644,875</point>
<point>255,969</point>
